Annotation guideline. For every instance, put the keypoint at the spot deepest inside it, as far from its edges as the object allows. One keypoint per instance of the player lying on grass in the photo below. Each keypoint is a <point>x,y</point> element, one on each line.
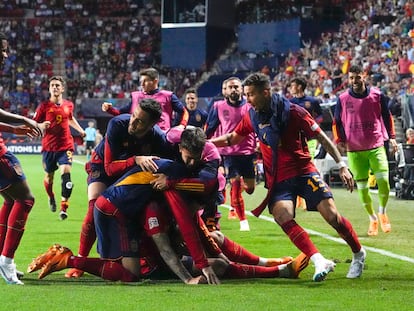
<point>153,265</point>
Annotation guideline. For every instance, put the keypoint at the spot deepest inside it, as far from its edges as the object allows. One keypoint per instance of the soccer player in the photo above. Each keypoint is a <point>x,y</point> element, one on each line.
<point>238,160</point>
<point>130,140</point>
<point>362,123</point>
<point>312,105</point>
<point>170,104</point>
<point>18,198</point>
<point>90,138</point>
<point>289,171</point>
<point>237,262</point>
<point>197,116</point>
<point>57,142</point>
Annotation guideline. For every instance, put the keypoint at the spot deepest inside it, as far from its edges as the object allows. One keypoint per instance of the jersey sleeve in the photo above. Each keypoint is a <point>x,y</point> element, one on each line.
<point>114,166</point>
<point>181,113</point>
<point>39,115</point>
<point>338,130</point>
<point>212,121</point>
<point>307,123</point>
<point>387,116</point>
<point>245,127</point>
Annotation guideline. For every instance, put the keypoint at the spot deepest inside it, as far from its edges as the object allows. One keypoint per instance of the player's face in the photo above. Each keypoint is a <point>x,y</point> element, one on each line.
<point>189,159</point>
<point>224,90</point>
<point>3,56</point>
<point>234,90</point>
<point>147,84</point>
<point>56,88</point>
<point>140,123</point>
<point>357,82</point>
<point>294,88</point>
<point>259,99</point>
<point>191,101</point>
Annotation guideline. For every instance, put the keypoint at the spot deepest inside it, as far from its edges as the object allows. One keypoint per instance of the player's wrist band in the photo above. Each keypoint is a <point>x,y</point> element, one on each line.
<point>341,164</point>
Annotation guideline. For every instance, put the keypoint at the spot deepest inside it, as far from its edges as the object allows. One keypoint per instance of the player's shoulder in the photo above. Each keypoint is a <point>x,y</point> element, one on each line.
<point>119,120</point>
<point>67,102</point>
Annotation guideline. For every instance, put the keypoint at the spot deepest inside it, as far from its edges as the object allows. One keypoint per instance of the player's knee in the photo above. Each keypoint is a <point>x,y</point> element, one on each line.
<point>28,204</point>
<point>67,185</point>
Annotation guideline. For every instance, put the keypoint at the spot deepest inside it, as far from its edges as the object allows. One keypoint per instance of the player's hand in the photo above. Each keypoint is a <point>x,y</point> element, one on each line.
<point>347,178</point>
<point>25,130</point>
<point>210,275</point>
<point>394,146</point>
<point>147,163</point>
<point>160,182</point>
<point>105,106</point>
<point>34,126</point>
<point>201,279</point>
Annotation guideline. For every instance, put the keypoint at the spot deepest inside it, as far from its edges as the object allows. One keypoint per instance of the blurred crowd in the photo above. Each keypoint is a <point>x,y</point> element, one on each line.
<point>102,56</point>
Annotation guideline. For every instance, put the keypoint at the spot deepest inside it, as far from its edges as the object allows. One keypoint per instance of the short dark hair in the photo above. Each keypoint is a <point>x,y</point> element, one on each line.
<point>191,90</point>
<point>152,107</point>
<point>258,79</point>
<point>299,81</point>
<point>355,69</point>
<point>152,73</point>
<point>193,139</point>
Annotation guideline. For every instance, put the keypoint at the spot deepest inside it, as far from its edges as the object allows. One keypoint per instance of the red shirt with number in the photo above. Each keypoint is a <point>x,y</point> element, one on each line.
<point>58,136</point>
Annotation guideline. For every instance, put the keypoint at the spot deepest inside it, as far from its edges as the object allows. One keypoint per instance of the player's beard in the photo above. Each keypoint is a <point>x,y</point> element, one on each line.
<point>234,97</point>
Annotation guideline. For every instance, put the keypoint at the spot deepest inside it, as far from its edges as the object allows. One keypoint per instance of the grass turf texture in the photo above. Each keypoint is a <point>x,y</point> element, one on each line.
<point>386,283</point>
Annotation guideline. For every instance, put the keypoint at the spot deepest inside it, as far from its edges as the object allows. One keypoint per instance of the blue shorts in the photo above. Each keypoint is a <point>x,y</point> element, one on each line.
<point>51,159</point>
<point>240,165</point>
<point>10,171</point>
<point>96,173</point>
<point>116,238</point>
<point>311,187</point>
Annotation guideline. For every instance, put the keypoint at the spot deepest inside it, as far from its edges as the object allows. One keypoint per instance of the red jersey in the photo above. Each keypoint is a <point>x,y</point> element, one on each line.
<point>293,157</point>
<point>57,137</point>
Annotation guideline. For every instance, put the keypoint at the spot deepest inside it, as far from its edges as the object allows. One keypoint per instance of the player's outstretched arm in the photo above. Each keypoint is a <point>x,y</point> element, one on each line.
<point>170,257</point>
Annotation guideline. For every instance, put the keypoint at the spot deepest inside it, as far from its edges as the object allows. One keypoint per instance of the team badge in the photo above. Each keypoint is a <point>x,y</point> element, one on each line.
<point>153,222</point>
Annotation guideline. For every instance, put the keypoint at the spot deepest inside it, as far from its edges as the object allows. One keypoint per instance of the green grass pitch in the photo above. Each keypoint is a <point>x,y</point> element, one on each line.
<point>387,282</point>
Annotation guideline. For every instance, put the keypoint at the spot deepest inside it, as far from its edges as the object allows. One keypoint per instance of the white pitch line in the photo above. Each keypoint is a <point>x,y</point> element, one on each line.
<point>338,240</point>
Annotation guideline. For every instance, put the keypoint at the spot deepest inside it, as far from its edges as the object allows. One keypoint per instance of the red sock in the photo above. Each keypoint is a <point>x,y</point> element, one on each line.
<point>4,215</point>
<point>49,189</point>
<point>299,237</point>
<point>237,253</point>
<point>346,232</point>
<point>183,217</point>
<point>240,271</point>
<point>108,270</point>
<point>64,205</point>
<point>236,198</point>
<point>88,234</point>
<point>15,226</point>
